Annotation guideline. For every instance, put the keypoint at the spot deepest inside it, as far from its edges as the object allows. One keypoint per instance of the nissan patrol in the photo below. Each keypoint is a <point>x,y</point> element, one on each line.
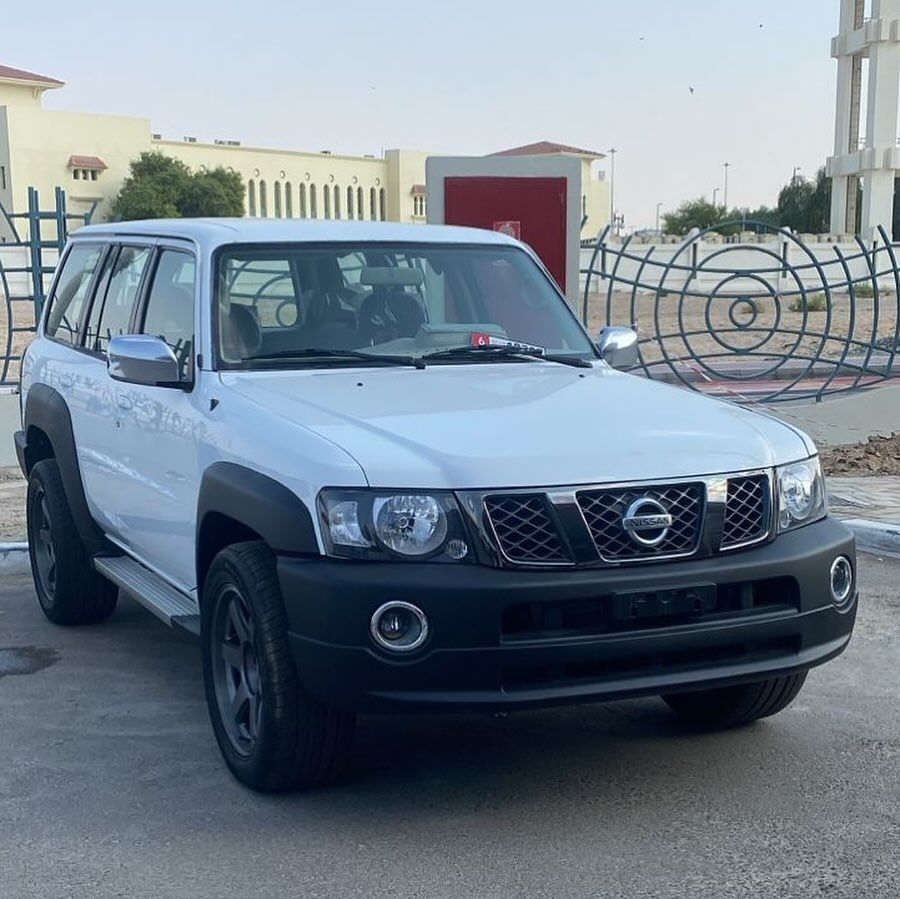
<point>378,467</point>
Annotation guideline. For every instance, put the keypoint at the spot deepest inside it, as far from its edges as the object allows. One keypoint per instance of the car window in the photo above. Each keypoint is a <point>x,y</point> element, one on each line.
<point>71,292</point>
<point>387,298</point>
<point>170,306</point>
<point>124,282</point>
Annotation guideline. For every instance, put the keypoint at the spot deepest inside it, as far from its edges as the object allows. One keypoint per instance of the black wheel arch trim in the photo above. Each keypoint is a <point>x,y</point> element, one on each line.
<point>47,411</point>
<point>257,502</point>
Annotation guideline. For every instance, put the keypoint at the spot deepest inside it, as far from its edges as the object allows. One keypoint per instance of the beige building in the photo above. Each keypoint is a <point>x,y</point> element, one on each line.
<point>89,155</point>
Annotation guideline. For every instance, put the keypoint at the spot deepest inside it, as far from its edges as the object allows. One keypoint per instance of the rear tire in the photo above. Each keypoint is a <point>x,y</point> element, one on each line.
<point>69,590</point>
<point>272,735</point>
<point>736,706</point>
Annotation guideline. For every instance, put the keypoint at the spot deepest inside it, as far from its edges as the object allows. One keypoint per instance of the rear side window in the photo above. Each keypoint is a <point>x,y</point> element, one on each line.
<point>170,306</point>
<point>71,293</point>
<point>118,305</point>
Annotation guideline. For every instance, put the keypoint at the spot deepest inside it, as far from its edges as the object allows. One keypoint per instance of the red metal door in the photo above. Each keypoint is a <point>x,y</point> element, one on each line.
<point>537,204</point>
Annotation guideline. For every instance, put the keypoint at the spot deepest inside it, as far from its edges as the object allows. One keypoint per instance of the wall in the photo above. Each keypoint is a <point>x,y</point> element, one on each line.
<point>41,142</point>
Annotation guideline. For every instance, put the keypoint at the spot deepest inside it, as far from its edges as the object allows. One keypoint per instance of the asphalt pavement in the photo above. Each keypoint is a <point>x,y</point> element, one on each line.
<point>111,785</point>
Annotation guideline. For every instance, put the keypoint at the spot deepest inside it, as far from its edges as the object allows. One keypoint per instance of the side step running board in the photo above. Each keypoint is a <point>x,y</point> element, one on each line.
<point>151,591</point>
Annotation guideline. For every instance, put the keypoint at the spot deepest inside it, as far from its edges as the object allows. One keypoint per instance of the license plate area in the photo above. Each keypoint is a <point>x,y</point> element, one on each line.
<point>663,605</point>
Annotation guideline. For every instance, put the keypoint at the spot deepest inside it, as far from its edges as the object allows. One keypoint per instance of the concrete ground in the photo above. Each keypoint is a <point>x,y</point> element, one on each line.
<point>111,785</point>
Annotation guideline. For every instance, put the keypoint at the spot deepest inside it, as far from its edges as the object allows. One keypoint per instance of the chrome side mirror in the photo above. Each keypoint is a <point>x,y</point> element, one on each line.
<point>618,346</point>
<point>142,359</point>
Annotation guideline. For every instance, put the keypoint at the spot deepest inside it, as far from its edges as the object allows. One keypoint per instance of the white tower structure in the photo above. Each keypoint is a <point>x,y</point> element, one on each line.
<point>877,161</point>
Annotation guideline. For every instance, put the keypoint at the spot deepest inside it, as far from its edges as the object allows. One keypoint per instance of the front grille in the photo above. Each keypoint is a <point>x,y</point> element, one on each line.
<point>525,531</point>
<point>604,510</point>
<point>747,511</point>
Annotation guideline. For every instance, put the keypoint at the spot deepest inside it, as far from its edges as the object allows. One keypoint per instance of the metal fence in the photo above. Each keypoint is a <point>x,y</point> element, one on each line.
<point>33,242</point>
<point>761,317</point>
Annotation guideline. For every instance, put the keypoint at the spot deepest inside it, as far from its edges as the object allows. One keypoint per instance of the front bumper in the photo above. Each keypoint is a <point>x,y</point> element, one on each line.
<point>502,638</point>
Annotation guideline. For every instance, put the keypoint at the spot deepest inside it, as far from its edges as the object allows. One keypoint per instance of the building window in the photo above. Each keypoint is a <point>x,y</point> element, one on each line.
<point>349,202</point>
<point>263,200</point>
<point>251,198</point>
<point>419,205</point>
<point>2,177</point>
<point>76,174</point>
<point>302,209</point>
<point>93,174</point>
<point>373,205</point>
<point>326,195</point>
<point>277,192</point>
<point>313,203</point>
<point>382,204</point>
<point>288,200</point>
<point>359,203</point>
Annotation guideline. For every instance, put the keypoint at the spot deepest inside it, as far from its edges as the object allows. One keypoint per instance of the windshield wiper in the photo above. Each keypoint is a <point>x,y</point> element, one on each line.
<point>494,351</point>
<point>325,354</point>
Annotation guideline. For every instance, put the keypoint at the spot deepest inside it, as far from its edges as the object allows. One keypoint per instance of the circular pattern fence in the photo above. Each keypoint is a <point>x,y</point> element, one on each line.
<point>763,319</point>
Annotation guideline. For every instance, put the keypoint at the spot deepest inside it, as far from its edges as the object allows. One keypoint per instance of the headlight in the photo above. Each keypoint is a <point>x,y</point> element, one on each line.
<point>801,494</point>
<point>379,524</point>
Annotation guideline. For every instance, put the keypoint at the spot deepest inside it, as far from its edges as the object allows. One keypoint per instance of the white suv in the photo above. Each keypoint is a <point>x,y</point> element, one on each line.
<point>380,467</point>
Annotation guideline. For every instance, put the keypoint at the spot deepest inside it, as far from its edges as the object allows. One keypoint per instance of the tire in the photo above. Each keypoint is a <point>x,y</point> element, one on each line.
<point>273,737</point>
<point>69,590</point>
<point>736,706</point>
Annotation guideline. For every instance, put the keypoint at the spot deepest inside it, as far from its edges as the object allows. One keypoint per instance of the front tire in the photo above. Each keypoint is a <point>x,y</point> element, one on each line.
<point>272,736</point>
<point>737,706</point>
<point>69,590</point>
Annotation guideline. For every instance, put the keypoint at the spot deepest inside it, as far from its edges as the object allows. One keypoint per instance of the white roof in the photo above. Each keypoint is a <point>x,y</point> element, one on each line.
<point>213,232</point>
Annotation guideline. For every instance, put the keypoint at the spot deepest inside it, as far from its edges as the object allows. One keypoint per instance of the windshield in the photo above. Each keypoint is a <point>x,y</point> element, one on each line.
<point>275,304</point>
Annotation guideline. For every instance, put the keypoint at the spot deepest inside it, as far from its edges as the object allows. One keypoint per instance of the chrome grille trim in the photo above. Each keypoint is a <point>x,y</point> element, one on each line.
<point>603,510</point>
<point>573,532</point>
<point>748,511</point>
<point>525,530</point>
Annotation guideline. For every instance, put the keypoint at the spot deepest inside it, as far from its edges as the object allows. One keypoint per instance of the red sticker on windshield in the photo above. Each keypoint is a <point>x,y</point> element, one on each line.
<point>479,338</point>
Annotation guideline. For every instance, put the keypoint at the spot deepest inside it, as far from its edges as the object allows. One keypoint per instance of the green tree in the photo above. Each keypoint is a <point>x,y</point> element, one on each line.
<point>805,205</point>
<point>215,193</point>
<point>159,186</point>
<point>699,213</point>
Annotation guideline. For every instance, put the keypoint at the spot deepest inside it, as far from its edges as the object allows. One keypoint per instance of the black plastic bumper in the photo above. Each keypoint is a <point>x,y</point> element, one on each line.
<point>19,440</point>
<point>475,658</point>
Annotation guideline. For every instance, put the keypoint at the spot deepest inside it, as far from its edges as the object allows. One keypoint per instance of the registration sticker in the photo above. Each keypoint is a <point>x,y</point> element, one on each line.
<point>482,338</point>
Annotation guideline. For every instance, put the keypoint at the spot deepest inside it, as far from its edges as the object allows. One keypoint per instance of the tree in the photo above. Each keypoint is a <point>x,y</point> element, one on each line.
<point>699,213</point>
<point>159,186</point>
<point>804,205</point>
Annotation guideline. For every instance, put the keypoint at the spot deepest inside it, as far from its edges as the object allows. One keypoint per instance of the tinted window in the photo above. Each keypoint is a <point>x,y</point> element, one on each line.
<point>124,282</point>
<point>170,306</point>
<point>70,295</point>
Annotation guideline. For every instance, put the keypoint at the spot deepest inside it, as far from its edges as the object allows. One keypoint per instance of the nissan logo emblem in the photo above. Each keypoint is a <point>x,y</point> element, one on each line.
<point>647,522</point>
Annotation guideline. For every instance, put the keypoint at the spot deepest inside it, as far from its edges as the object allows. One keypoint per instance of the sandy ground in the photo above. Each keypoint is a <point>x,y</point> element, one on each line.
<point>12,504</point>
<point>680,327</point>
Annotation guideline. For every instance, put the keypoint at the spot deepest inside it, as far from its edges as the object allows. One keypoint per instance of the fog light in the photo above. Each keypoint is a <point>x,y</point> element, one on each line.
<point>841,580</point>
<point>399,626</point>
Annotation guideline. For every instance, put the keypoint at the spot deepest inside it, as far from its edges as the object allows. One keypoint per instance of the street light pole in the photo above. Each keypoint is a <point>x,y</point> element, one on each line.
<point>726,166</point>
<point>612,186</point>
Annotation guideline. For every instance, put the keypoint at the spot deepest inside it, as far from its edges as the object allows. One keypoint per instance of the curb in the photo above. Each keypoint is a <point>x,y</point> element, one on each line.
<point>14,558</point>
<point>875,536</point>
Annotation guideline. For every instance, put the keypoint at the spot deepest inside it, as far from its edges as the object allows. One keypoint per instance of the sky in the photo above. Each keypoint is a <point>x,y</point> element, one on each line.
<point>467,77</point>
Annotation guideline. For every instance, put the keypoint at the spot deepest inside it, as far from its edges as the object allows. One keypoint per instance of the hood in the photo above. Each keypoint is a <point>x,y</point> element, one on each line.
<point>512,424</point>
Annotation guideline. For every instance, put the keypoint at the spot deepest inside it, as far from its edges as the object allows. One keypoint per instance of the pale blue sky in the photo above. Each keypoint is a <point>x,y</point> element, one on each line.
<point>471,76</point>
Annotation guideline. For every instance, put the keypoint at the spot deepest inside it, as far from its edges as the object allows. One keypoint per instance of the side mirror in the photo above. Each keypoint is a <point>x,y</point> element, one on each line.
<point>618,346</point>
<point>142,359</point>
